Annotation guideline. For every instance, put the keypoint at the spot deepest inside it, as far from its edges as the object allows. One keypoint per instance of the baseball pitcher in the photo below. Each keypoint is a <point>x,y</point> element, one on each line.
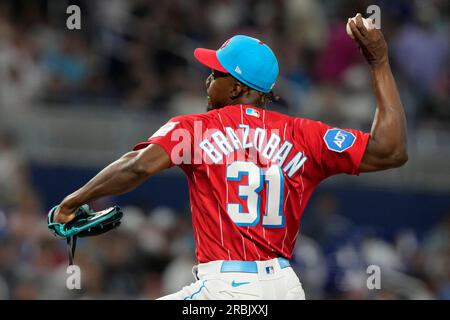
<point>251,171</point>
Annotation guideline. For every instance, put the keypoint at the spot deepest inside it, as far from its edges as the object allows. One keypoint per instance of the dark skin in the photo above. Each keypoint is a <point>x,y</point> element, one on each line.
<point>386,147</point>
<point>224,90</point>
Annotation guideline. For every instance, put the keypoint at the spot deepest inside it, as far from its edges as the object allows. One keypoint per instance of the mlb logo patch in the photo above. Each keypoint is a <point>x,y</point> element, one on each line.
<point>270,270</point>
<point>339,140</point>
<point>252,112</point>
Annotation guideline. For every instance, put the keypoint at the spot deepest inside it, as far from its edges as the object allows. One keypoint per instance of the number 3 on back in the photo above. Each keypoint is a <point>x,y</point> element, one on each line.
<point>257,180</point>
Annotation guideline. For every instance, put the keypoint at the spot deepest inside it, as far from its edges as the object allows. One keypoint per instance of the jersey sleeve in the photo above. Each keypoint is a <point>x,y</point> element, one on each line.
<point>333,150</point>
<point>175,137</point>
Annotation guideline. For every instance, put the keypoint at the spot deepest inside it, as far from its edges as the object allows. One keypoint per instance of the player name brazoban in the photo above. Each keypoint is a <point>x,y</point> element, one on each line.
<point>270,149</point>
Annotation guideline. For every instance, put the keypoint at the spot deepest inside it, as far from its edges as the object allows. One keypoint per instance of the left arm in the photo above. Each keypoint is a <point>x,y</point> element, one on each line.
<point>121,176</point>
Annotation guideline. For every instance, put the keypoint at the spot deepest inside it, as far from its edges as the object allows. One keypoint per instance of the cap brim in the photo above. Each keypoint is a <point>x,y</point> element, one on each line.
<point>208,58</point>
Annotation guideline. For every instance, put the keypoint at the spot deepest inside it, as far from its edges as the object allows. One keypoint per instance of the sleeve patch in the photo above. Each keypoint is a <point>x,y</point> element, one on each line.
<point>338,140</point>
<point>164,130</point>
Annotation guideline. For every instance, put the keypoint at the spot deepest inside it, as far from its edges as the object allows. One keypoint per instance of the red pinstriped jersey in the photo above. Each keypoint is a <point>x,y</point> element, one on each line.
<point>251,173</point>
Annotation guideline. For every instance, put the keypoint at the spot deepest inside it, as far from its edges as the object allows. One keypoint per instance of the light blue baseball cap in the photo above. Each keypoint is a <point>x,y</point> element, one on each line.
<point>247,59</point>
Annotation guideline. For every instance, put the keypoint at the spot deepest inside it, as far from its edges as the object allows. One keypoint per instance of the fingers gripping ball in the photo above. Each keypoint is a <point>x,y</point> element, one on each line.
<point>367,24</point>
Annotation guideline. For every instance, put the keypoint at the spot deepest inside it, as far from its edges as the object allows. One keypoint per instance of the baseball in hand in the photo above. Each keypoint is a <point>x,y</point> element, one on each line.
<point>366,22</point>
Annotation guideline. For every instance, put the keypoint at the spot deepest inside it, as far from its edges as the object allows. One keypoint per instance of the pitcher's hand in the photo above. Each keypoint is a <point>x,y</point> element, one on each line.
<point>371,42</point>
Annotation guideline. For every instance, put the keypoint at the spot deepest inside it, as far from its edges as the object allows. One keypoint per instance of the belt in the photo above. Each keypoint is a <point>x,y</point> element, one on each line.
<point>248,266</point>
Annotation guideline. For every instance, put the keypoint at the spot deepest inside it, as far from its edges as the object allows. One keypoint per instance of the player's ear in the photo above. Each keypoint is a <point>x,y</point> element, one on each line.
<point>237,90</point>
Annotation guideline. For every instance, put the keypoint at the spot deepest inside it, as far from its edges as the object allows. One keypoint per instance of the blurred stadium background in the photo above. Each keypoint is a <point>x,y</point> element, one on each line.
<point>73,101</point>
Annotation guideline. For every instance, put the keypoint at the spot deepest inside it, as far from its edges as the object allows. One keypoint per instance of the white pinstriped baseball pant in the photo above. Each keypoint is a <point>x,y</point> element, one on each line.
<point>242,280</point>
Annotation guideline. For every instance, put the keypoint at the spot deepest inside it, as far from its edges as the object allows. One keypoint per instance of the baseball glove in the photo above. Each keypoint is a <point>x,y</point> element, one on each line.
<point>85,224</point>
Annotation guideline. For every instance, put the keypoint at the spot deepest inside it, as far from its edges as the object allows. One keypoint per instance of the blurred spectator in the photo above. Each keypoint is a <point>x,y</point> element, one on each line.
<point>22,76</point>
<point>134,54</point>
<point>339,53</point>
<point>325,223</point>
<point>188,100</point>
<point>311,266</point>
<point>421,51</point>
<point>437,256</point>
<point>14,180</point>
<point>70,68</point>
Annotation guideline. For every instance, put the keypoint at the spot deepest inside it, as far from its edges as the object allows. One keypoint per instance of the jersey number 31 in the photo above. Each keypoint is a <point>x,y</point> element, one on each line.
<point>257,180</point>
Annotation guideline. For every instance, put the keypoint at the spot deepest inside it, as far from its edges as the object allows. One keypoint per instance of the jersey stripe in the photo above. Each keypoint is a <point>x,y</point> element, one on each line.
<point>286,231</point>
<point>220,119</point>
<point>284,240</point>
<point>295,238</point>
<point>264,127</point>
<point>257,251</point>
<point>198,238</point>
<point>242,115</point>
<point>243,246</point>
<point>226,189</point>
<point>303,186</point>
<point>220,223</point>
<point>301,198</point>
